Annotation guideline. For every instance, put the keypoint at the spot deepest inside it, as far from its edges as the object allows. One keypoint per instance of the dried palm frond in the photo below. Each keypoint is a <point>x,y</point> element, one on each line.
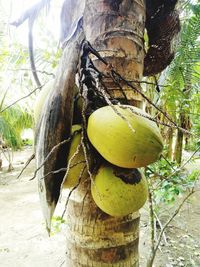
<point>163,25</point>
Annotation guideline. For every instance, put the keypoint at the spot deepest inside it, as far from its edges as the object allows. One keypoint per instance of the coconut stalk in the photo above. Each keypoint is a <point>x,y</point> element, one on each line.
<point>115,29</point>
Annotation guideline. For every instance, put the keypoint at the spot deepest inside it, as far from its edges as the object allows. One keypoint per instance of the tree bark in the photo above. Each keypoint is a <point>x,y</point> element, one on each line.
<point>97,239</point>
<point>169,142</point>
<point>115,29</point>
<point>179,140</point>
<point>184,116</point>
<point>178,147</point>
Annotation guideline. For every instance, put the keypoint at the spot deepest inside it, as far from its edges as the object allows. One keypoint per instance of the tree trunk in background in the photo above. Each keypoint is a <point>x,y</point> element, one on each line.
<point>184,116</point>
<point>115,29</point>
<point>168,134</point>
<point>169,142</point>
<point>178,147</point>
<point>179,140</point>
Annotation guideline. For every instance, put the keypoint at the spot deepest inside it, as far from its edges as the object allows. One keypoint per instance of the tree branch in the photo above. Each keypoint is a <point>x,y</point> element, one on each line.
<point>183,165</point>
<point>39,71</point>
<point>30,49</point>
<point>161,226</point>
<point>15,102</point>
<point>27,163</point>
<point>35,9</point>
<point>31,14</point>
<point>152,221</point>
<point>152,257</point>
<point>52,151</point>
<point>150,83</point>
<point>74,188</point>
<point>3,152</point>
<point>62,169</point>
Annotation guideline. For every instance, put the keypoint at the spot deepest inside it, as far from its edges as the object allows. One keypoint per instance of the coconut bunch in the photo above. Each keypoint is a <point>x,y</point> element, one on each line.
<point>125,139</point>
<point>122,138</point>
<point>113,140</point>
<point>133,141</point>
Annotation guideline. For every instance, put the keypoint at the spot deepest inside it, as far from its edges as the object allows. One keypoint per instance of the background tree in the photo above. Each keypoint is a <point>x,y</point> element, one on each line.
<point>182,80</point>
<point>18,89</point>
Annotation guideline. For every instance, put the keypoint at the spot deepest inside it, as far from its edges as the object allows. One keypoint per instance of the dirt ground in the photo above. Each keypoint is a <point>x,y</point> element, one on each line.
<point>23,238</point>
<point>24,241</point>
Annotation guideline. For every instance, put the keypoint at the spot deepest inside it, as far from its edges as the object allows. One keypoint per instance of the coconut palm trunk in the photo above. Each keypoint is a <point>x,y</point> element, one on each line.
<point>115,29</point>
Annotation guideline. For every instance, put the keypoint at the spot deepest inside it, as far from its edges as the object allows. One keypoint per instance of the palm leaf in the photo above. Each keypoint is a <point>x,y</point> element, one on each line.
<point>12,122</point>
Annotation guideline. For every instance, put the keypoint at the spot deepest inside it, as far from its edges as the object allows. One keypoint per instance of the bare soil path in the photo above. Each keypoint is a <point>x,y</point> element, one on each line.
<point>182,234</point>
<point>23,238</point>
<point>24,241</point>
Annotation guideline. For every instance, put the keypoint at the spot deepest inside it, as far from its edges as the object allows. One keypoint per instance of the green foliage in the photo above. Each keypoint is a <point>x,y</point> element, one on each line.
<point>15,73</point>
<point>193,145</point>
<point>57,223</point>
<point>28,142</point>
<point>12,122</point>
<point>180,97</point>
<point>182,76</point>
<point>169,181</point>
<point>15,70</point>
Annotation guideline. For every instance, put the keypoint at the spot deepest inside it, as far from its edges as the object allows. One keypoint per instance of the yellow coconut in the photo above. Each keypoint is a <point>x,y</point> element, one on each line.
<point>124,138</point>
<point>118,191</point>
<point>76,160</point>
<point>40,101</point>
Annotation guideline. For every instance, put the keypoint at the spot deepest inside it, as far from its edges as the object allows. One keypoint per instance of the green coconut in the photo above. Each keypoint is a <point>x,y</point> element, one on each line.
<point>124,138</point>
<point>118,191</point>
<point>76,160</point>
<point>40,101</point>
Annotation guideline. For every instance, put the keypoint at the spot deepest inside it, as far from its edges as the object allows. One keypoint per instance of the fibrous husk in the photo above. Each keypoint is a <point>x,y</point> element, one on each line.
<point>118,191</point>
<point>76,161</point>
<point>123,138</point>
<point>40,100</point>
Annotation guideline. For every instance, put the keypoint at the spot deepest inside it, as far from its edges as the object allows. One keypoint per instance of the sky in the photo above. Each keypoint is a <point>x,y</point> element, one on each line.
<point>14,8</point>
